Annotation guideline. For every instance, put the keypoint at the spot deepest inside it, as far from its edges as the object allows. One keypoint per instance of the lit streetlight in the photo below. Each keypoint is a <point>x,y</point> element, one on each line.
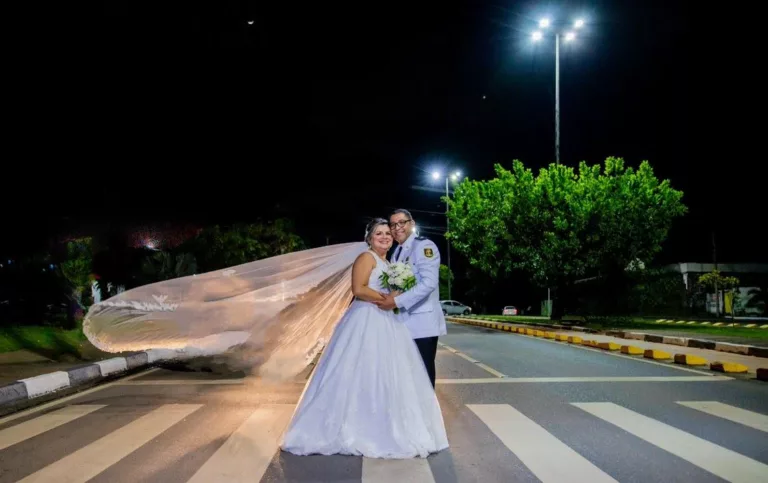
<point>569,35</point>
<point>455,176</point>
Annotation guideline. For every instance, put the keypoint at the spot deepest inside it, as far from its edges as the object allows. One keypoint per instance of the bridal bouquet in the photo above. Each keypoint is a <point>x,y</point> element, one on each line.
<point>398,277</point>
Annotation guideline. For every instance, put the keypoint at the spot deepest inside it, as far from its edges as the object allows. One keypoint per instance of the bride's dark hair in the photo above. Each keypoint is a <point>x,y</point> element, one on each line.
<point>372,225</point>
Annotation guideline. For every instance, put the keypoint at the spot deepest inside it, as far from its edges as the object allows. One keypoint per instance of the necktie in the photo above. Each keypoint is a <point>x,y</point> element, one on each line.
<point>397,253</point>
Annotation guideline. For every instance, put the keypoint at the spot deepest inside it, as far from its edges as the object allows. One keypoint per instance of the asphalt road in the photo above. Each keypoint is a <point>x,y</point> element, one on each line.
<point>559,413</point>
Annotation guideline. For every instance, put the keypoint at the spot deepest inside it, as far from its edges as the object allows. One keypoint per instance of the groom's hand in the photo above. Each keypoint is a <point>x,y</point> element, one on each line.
<point>388,303</point>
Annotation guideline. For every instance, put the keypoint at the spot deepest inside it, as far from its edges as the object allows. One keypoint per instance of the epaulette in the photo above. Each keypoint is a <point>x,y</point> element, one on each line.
<point>422,238</point>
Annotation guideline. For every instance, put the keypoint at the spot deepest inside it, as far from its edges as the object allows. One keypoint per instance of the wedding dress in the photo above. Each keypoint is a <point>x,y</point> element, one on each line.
<point>369,394</point>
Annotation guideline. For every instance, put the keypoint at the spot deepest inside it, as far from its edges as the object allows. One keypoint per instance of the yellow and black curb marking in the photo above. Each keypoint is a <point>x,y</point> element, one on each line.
<point>630,350</point>
<point>715,324</point>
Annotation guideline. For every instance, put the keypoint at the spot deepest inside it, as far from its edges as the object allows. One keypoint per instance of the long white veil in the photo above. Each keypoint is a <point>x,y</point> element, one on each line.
<point>272,315</point>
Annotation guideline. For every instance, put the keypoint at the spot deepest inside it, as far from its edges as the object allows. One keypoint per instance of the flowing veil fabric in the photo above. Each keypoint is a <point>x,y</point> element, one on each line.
<point>272,315</point>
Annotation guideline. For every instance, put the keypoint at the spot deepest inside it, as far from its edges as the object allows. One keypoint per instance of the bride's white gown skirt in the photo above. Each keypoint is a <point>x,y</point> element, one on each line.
<point>369,394</point>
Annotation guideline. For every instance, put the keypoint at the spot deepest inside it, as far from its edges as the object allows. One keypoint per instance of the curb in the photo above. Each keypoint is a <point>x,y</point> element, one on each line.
<point>654,354</point>
<point>32,388</point>
<point>747,350</point>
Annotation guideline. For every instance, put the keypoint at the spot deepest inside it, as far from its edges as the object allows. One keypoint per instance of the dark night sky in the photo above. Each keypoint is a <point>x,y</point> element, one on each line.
<point>329,114</point>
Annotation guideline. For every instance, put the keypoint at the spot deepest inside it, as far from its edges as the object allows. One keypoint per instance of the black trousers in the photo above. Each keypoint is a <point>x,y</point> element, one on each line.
<point>428,349</point>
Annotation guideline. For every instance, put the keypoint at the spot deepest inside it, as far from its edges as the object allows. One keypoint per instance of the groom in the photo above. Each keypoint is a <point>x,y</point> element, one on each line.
<point>420,306</point>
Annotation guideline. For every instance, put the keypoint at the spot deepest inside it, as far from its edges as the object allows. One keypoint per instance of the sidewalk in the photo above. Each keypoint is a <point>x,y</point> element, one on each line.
<point>751,362</point>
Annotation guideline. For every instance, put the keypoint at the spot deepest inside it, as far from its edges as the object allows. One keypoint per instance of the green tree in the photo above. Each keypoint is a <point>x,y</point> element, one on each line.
<point>165,266</point>
<point>216,247</point>
<point>715,282</point>
<point>563,224</point>
<point>77,272</point>
<point>445,276</point>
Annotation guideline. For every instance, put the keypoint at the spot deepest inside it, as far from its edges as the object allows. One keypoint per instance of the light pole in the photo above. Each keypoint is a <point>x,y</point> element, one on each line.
<point>545,24</point>
<point>455,177</point>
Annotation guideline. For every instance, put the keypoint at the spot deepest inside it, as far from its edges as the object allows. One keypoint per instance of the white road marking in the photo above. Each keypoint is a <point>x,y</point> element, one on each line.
<point>722,462</point>
<point>46,422</point>
<point>57,402</point>
<point>415,470</point>
<point>547,457</point>
<point>90,460</point>
<point>737,415</point>
<point>246,454</point>
<point>474,361</point>
<point>512,380</point>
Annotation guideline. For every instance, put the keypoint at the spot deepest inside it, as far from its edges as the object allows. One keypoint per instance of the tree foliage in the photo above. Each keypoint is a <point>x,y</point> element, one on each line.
<point>715,280</point>
<point>562,224</point>
<point>77,269</point>
<point>216,247</point>
<point>445,276</point>
<point>165,266</point>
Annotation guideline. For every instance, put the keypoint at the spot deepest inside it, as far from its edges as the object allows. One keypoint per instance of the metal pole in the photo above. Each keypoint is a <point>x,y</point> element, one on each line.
<point>549,304</point>
<point>557,98</point>
<point>447,241</point>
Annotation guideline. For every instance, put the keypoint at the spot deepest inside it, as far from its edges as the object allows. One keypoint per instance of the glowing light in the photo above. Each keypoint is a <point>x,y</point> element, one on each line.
<point>457,174</point>
<point>570,36</point>
<point>537,35</point>
<point>436,175</point>
<point>250,22</point>
<point>578,23</point>
<point>544,23</point>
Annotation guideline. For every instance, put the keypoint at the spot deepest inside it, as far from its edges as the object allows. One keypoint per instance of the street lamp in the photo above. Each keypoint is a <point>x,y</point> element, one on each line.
<point>569,35</point>
<point>455,176</point>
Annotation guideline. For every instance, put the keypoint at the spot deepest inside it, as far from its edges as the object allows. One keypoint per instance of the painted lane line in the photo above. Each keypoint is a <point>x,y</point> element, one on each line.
<point>414,470</point>
<point>57,402</point>
<point>514,380</point>
<point>474,361</point>
<point>46,422</point>
<point>90,460</point>
<point>737,415</point>
<point>536,447</point>
<point>719,461</point>
<point>246,454</point>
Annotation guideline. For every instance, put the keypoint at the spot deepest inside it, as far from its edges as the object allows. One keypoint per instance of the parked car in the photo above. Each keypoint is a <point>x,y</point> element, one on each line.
<point>509,310</point>
<point>452,307</point>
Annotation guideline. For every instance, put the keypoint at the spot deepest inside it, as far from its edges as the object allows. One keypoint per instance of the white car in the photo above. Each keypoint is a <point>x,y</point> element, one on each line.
<point>509,310</point>
<point>452,307</point>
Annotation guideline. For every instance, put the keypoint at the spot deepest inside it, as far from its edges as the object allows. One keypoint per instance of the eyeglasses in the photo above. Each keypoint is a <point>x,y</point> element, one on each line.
<point>399,224</point>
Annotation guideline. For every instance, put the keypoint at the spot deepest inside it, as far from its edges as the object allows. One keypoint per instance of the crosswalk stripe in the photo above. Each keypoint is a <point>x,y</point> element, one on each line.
<point>536,447</point>
<point>90,460</point>
<point>719,461</point>
<point>33,427</point>
<point>737,415</point>
<point>246,454</point>
<point>415,470</point>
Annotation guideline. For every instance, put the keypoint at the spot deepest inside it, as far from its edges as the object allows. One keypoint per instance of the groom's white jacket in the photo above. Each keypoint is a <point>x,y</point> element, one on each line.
<point>420,307</point>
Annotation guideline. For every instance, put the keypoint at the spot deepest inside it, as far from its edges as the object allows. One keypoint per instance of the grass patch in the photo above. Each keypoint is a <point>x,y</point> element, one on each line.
<point>644,325</point>
<point>47,341</point>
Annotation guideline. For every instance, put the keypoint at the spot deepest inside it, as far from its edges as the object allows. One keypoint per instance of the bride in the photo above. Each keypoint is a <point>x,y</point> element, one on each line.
<point>370,394</point>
